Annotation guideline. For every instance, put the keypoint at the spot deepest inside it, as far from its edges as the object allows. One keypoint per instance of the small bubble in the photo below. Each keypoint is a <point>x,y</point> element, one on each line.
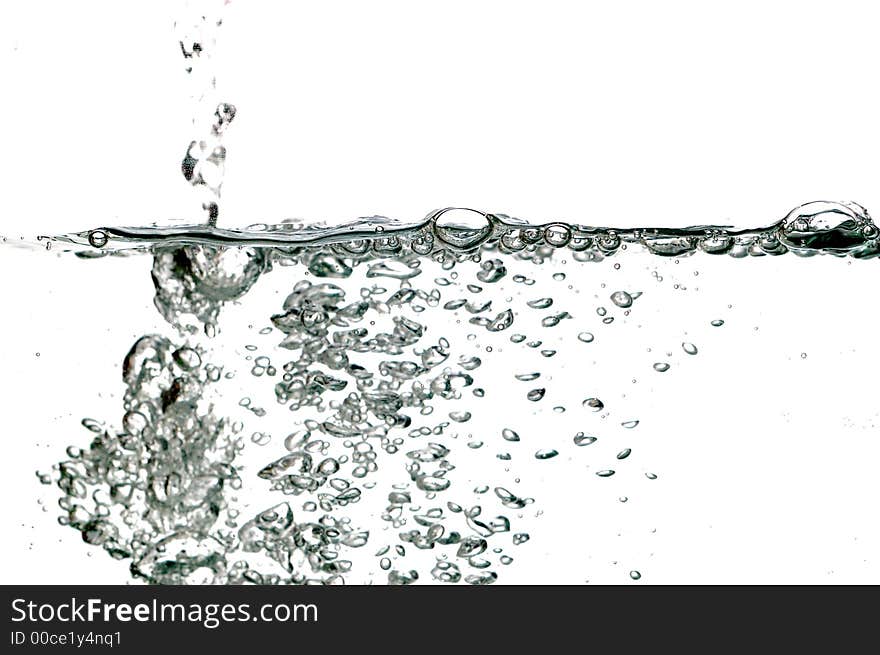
<point>536,394</point>
<point>548,453</point>
<point>509,435</point>
<point>661,367</point>
<point>98,238</point>
<point>606,473</point>
<point>717,322</point>
<point>635,575</point>
<point>622,299</point>
<point>594,404</point>
<point>540,303</point>
<point>261,438</point>
<point>586,337</point>
<point>689,348</point>
<point>581,439</point>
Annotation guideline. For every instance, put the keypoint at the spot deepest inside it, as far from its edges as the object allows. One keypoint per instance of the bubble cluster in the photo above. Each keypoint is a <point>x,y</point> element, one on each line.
<point>379,408</point>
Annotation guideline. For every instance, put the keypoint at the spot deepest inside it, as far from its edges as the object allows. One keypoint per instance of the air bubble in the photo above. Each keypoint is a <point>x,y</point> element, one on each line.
<point>622,299</point>
<point>581,439</point>
<point>98,238</point>
<point>509,435</point>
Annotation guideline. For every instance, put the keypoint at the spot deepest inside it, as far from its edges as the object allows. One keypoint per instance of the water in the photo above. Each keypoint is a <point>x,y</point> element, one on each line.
<point>204,161</point>
<point>312,410</point>
<point>454,400</point>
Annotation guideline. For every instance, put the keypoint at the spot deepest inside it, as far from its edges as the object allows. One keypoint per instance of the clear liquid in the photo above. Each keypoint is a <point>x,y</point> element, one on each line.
<point>312,410</point>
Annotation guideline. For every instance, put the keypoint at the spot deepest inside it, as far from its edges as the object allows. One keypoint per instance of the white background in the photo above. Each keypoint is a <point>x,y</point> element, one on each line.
<point>669,113</point>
